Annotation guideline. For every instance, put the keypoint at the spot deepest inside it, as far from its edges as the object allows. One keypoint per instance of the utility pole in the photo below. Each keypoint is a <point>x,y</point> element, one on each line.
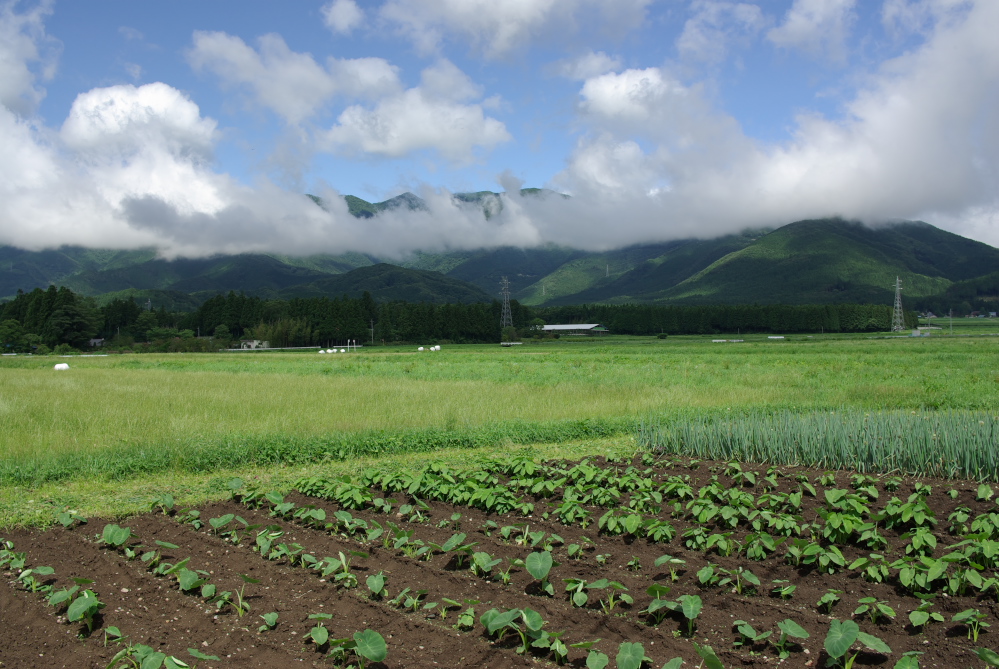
<point>506,319</point>
<point>372,331</point>
<point>897,319</point>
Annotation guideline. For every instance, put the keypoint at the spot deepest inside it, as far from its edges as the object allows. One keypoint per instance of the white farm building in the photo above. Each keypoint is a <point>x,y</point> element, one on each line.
<point>579,329</point>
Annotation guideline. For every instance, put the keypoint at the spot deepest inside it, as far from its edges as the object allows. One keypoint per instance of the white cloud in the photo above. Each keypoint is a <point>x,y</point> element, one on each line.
<point>429,116</point>
<point>589,64</point>
<point>342,16</point>
<point>918,141</point>
<point>906,17</point>
<point>292,84</point>
<point>818,27</point>
<point>501,28</point>
<point>24,45</point>
<point>714,26</point>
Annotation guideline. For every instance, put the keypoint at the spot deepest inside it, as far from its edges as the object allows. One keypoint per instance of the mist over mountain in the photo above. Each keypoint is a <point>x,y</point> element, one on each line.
<point>813,261</point>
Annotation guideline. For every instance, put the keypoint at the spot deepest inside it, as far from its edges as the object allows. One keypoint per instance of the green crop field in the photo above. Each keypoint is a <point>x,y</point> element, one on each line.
<point>122,418</point>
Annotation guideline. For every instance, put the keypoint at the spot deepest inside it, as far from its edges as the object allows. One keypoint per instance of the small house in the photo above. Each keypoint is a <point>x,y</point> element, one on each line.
<point>583,329</point>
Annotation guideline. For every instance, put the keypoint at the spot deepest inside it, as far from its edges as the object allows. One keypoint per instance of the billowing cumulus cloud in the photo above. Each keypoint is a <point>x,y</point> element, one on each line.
<point>342,16</point>
<point>655,156</point>
<point>291,84</point>
<point>434,115</point>
<point>23,48</point>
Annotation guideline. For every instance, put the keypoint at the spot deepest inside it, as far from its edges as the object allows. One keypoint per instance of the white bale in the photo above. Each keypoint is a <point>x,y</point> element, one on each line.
<point>61,366</point>
<point>331,350</point>
<point>343,350</point>
<point>322,351</point>
<point>420,349</point>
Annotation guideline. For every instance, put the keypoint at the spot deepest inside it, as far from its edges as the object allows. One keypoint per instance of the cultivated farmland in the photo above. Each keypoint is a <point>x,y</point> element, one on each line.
<point>841,506</point>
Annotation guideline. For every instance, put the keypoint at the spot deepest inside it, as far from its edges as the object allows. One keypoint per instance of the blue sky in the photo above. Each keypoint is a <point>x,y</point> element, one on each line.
<point>194,127</point>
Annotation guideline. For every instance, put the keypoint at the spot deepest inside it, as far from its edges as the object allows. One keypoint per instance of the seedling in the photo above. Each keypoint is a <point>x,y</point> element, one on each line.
<point>617,593</point>
<point>32,584</point>
<point>742,577</point>
<point>788,628</point>
<point>319,634</point>
<point>747,635</point>
<point>114,634</point>
<point>602,558</point>
<point>376,586</point>
<point>115,536</point>
<point>922,614</point>
<point>163,502</point>
<point>153,557</point>
<point>500,624</point>
<point>340,568</point>
<point>634,564</point>
<point>504,575</point>
<point>671,563</point>
<point>974,620</point>
<point>70,516</point>
<point>466,619</point>
<point>828,600</point>
<point>874,608</point>
<point>631,656</point>
<point>841,637</point>
<point>785,592</point>
<point>84,608</point>
<point>483,563</point>
<point>413,599</point>
<point>241,605</point>
<point>367,645</point>
<point>539,565</point>
<point>270,621</point>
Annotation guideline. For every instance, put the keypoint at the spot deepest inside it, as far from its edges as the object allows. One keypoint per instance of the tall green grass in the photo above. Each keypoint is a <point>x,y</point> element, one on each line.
<point>948,444</point>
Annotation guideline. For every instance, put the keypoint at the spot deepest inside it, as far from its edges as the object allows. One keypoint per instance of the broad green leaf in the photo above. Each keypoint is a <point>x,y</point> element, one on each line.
<point>539,564</point>
<point>751,577</point>
<point>44,571</point>
<point>597,660</point>
<point>319,634</point>
<point>630,655</point>
<point>691,606</point>
<point>375,582</point>
<point>989,657</point>
<point>675,663</point>
<point>249,579</point>
<point>707,653</point>
<point>81,606</point>
<point>580,598</point>
<point>533,619</point>
<point>791,628</point>
<point>198,655</point>
<point>657,591</point>
<point>153,660</point>
<point>501,620</point>
<point>840,637</point>
<point>907,662</point>
<point>919,618</point>
<point>873,643</point>
<point>371,645</point>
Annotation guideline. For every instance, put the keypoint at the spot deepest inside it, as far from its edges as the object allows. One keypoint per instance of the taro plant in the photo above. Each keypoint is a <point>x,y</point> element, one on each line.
<point>828,600</point>
<point>270,621</point>
<point>31,583</point>
<point>483,563</point>
<point>85,608</point>
<point>840,639</point>
<point>376,586</point>
<point>672,564</point>
<point>153,557</point>
<point>368,646</point>
<point>69,517</point>
<point>319,635</point>
<point>782,590</point>
<point>974,620</point>
<point>748,635</point>
<point>788,629</point>
<point>539,565</point>
<point>922,614</point>
<point>874,608</point>
<point>163,502</point>
<point>240,604</point>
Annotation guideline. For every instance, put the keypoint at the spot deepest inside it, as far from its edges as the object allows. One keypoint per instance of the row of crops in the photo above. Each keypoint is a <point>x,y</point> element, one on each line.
<point>646,544</point>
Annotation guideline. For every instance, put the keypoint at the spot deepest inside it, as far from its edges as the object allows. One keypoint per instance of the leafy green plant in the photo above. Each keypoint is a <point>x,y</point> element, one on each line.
<point>162,501</point>
<point>782,590</point>
<point>840,639</point>
<point>874,608</point>
<point>270,621</point>
<point>115,536</point>
<point>69,517</point>
<point>631,656</point>
<point>672,564</point>
<point>923,615</point>
<point>748,635</point>
<point>788,629</point>
<point>85,608</point>
<point>974,620</point>
<point>828,600</point>
<point>376,586</point>
<point>319,634</point>
<point>538,565</point>
<point>31,583</point>
<point>240,604</point>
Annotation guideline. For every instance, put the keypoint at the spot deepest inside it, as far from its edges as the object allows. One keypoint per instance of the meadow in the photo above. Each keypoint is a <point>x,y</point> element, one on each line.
<point>123,416</point>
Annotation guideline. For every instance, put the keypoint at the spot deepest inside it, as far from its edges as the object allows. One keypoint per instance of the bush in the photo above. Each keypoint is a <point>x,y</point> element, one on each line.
<point>662,335</point>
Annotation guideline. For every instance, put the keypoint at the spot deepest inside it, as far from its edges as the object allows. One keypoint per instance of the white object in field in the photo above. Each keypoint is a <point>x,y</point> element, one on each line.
<point>420,349</point>
<point>322,351</point>
<point>342,350</point>
<point>61,366</point>
<point>331,350</point>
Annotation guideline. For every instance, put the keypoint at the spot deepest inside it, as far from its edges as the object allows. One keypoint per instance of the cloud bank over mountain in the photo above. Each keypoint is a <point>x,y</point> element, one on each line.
<point>655,155</point>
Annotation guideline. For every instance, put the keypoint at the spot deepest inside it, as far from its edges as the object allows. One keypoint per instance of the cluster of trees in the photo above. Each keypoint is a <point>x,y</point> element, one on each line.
<point>43,319</point>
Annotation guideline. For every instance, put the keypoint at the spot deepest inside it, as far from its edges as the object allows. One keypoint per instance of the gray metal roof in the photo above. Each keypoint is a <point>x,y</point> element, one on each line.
<point>581,326</point>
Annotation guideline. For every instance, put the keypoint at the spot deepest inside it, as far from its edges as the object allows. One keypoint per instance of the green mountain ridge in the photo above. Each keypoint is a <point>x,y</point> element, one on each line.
<point>806,262</point>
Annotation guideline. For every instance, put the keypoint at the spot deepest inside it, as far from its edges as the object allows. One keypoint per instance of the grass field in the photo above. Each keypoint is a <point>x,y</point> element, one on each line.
<point>118,417</point>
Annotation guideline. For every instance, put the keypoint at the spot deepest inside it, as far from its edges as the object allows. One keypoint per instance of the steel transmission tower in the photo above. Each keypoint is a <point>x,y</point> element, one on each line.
<point>897,320</point>
<point>506,320</point>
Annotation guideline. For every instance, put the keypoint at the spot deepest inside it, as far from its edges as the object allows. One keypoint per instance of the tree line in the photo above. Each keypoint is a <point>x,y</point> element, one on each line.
<point>45,319</point>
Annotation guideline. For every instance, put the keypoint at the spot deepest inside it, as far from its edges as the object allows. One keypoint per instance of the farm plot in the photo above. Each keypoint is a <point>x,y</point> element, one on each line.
<point>595,563</point>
